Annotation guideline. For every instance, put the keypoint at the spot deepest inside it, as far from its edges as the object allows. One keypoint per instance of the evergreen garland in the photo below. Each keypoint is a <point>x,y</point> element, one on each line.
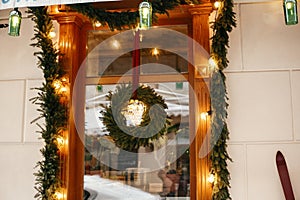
<point>52,109</point>
<point>125,19</point>
<point>223,24</point>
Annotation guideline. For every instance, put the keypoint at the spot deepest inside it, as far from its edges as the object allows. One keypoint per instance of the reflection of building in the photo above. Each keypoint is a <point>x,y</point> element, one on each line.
<point>140,169</point>
<point>176,99</point>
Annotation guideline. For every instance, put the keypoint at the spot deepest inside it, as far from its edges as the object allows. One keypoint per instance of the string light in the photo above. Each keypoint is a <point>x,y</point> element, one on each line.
<point>61,86</point>
<point>60,194</point>
<point>97,24</point>
<point>211,178</point>
<point>203,115</point>
<point>63,89</point>
<point>141,37</point>
<point>52,34</point>
<point>217,4</point>
<point>116,44</point>
<point>212,64</point>
<point>62,142</point>
<point>57,84</point>
<point>155,52</point>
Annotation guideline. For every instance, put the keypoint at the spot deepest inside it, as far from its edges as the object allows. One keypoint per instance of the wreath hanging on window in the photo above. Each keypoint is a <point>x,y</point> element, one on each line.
<point>154,121</point>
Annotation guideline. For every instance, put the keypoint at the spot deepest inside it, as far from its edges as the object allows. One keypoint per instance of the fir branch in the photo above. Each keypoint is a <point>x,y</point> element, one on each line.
<point>51,109</point>
<point>125,19</point>
<point>223,24</point>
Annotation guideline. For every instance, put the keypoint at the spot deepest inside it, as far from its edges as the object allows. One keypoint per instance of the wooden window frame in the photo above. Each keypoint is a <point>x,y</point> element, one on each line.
<point>72,43</point>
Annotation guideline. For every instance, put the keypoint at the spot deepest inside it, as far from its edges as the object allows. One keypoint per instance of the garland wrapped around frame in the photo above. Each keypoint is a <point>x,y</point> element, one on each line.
<point>55,111</point>
<point>126,19</point>
<point>224,23</point>
<point>154,121</point>
<point>53,107</point>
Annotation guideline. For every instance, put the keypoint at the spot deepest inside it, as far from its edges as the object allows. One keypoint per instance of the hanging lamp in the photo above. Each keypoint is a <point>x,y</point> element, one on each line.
<point>145,10</point>
<point>290,12</point>
<point>14,23</point>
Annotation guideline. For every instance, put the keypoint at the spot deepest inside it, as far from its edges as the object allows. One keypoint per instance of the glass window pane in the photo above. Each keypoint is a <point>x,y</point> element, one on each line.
<point>110,53</point>
<point>161,170</point>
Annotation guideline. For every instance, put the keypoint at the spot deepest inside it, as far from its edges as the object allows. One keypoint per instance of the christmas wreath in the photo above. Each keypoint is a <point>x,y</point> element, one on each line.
<point>154,121</point>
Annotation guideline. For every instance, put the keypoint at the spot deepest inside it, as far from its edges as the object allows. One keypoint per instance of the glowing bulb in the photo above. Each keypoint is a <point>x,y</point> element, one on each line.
<point>61,86</point>
<point>203,115</point>
<point>217,4</point>
<point>211,178</point>
<point>97,24</point>
<point>141,37</point>
<point>116,44</point>
<point>60,194</point>
<point>63,89</point>
<point>289,5</point>
<point>57,84</point>
<point>56,10</point>
<point>212,63</point>
<point>64,79</point>
<point>52,34</point>
<point>60,142</point>
<point>155,52</point>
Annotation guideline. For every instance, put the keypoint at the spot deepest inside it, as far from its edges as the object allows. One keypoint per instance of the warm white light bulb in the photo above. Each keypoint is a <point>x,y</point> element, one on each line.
<point>217,4</point>
<point>15,20</point>
<point>203,115</point>
<point>57,84</point>
<point>60,141</point>
<point>212,64</point>
<point>64,79</point>
<point>98,24</point>
<point>211,178</point>
<point>116,44</point>
<point>59,195</point>
<point>63,89</point>
<point>155,52</point>
<point>52,34</point>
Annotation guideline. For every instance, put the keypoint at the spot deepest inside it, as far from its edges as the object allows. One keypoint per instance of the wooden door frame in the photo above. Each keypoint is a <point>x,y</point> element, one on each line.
<point>72,43</point>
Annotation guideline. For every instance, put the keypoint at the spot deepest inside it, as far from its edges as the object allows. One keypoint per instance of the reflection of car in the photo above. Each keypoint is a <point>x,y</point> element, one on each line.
<point>97,188</point>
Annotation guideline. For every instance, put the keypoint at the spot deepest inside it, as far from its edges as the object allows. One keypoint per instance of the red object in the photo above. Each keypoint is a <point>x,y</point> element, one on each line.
<point>284,176</point>
<point>136,63</point>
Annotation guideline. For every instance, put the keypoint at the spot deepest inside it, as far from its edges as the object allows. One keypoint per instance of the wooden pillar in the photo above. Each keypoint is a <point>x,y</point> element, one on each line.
<point>69,46</point>
<point>200,188</point>
<point>201,25</point>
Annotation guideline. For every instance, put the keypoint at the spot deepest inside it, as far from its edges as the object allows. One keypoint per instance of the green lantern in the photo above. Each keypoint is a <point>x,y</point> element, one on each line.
<point>145,10</point>
<point>290,12</point>
<point>15,17</point>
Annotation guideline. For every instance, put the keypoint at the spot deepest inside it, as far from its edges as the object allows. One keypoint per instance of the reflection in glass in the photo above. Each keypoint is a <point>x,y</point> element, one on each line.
<point>161,169</point>
<point>115,55</point>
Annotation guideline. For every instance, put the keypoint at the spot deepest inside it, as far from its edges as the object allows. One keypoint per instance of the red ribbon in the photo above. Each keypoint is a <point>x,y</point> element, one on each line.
<point>136,64</point>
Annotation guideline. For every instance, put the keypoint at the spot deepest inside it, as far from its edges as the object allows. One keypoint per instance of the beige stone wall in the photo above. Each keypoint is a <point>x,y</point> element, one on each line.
<point>264,91</point>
